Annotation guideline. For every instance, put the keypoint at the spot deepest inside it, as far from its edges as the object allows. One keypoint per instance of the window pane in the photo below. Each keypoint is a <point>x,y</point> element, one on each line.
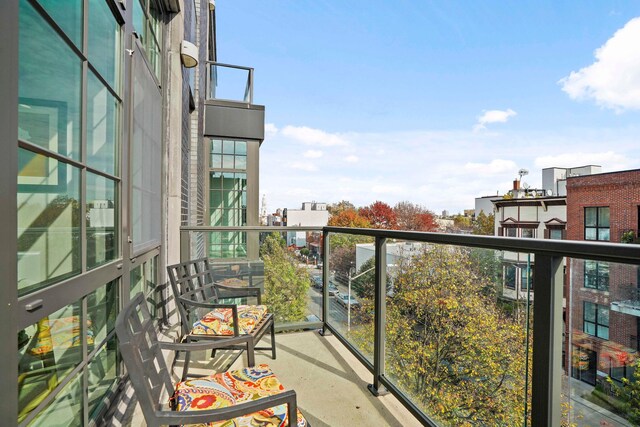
<point>241,148</point>
<point>590,234</point>
<point>227,162</point>
<point>241,162</point>
<point>103,371</point>
<point>102,305</point>
<point>590,328</point>
<point>590,311</point>
<point>65,409</point>
<point>138,20</point>
<point>104,42</point>
<point>590,217</point>
<point>603,332</point>
<point>50,80</point>
<point>603,217</point>
<point>102,126</point>
<point>228,147</point>
<point>603,315</point>
<point>603,234</point>
<point>47,352</point>
<point>216,146</point>
<point>68,15</point>
<point>216,161</point>
<point>102,242</point>
<point>48,221</point>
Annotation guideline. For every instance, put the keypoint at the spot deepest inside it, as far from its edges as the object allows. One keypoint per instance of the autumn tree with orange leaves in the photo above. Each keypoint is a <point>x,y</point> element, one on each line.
<point>380,215</point>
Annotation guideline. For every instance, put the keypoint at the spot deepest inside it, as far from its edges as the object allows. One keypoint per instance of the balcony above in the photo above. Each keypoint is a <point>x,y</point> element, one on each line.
<point>229,108</point>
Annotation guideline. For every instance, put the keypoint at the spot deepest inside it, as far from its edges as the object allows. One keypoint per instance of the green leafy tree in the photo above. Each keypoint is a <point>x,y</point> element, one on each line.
<point>629,393</point>
<point>484,225</point>
<point>285,284</point>
<point>449,346</point>
<point>343,205</point>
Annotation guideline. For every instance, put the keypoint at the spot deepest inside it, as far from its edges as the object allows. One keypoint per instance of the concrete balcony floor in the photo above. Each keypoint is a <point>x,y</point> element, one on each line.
<point>330,383</point>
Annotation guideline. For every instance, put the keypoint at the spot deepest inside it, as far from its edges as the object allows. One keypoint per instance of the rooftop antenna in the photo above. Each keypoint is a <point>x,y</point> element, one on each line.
<point>523,172</point>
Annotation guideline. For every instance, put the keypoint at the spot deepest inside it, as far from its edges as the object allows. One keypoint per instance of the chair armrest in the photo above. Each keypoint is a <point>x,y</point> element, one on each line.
<point>202,417</point>
<point>233,307</point>
<point>240,292</point>
<point>203,345</point>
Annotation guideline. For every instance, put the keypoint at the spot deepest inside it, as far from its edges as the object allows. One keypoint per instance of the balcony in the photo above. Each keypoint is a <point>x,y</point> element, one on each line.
<point>229,108</point>
<point>629,302</point>
<point>442,341</point>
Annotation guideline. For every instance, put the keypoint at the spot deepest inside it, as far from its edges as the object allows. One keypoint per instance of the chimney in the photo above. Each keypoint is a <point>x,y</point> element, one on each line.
<point>516,184</point>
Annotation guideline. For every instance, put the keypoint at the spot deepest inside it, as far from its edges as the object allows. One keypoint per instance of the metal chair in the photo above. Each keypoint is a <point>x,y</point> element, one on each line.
<point>221,397</point>
<point>203,317</point>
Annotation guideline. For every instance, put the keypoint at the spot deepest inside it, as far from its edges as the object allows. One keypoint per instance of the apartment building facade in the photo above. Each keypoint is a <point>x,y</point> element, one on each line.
<point>604,297</point>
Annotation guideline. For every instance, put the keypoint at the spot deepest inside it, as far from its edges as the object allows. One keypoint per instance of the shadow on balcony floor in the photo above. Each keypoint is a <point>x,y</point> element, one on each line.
<point>330,383</point>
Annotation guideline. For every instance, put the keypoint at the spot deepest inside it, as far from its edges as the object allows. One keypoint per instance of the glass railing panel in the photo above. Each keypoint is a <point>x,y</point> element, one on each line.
<point>351,289</point>
<point>229,83</point>
<point>457,328</point>
<point>281,264</point>
<point>601,346</point>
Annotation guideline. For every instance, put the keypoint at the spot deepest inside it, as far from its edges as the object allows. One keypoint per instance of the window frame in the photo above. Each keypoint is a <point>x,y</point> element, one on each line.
<point>597,227</point>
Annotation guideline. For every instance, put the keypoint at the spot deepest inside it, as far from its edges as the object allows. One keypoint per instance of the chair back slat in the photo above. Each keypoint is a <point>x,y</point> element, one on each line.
<point>193,280</point>
<point>142,356</point>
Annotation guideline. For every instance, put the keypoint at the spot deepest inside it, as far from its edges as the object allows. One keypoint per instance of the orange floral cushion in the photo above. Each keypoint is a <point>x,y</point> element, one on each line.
<point>62,333</point>
<point>220,320</point>
<point>231,388</point>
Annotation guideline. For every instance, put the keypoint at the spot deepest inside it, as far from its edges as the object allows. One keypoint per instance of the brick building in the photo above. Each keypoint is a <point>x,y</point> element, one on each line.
<point>604,315</point>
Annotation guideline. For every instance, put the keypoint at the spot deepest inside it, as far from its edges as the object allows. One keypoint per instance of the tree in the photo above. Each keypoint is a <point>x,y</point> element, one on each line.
<point>285,284</point>
<point>364,286</point>
<point>379,215</point>
<point>349,218</point>
<point>342,258</point>
<point>462,222</point>
<point>629,393</point>
<point>448,344</point>
<point>410,216</point>
<point>484,224</point>
<point>341,206</point>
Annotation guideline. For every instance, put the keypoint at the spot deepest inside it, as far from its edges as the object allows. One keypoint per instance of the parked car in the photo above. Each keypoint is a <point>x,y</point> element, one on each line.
<point>317,281</point>
<point>343,299</point>
<point>333,289</point>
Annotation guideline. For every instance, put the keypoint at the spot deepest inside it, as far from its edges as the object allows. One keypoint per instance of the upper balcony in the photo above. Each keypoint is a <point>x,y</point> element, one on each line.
<point>229,108</point>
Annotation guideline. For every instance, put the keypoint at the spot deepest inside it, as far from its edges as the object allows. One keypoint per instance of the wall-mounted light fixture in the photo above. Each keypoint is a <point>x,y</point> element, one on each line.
<point>188,54</point>
<point>212,4</point>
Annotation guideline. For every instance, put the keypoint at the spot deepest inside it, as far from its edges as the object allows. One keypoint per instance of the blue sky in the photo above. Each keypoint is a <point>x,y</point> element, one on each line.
<point>434,102</point>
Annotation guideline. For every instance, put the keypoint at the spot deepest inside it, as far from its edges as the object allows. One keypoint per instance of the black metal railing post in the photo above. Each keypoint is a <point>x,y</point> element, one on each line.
<point>325,282</point>
<point>547,342</point>
<point>380,316</point>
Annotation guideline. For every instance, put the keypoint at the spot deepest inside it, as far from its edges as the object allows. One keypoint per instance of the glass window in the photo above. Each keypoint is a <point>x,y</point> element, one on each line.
<point>47,352</point>
<point>48,221</point>
<point>102,372</point>
<point>104,41</point>
<point>528,233</point>
<point>596,223</point>
<point>68,15</point>
<point>526,278</point>
<point>596,320</point>
<point>138,20</point>
<point>144,279</point>
<point>50,82</point>
<point>511,232</point>
<point>596,275</point>
<point>510,276</point>
<point>66,408</point>
<point>555,234</point>
<point>102,245</point>
<point>102,308</point>
<point>102,126</point>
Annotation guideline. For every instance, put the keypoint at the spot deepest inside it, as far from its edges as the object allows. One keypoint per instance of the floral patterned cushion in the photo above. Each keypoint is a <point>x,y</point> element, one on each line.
<point>220,320</point>
<point>231,388</point>
<point>62,333</point>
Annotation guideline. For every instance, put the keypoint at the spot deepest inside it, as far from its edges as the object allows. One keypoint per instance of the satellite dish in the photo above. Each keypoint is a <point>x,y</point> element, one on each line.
<point>549,193</point>
<point>525,186</point>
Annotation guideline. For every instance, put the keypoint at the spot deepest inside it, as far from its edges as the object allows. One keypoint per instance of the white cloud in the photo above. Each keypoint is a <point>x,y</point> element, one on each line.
<point>312,154</point>
<point>351,159</point>
<point>304,166</point>
<point>613,80</point>
<point>493,116</point>
<point>270,129</point>
<point>387,189</point>
<point>496,166</point>
<point>311,136</point>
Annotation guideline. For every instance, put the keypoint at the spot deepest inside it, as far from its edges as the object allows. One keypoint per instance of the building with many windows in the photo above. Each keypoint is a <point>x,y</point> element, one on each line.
<point>120,128</point>
<point>604,297</point>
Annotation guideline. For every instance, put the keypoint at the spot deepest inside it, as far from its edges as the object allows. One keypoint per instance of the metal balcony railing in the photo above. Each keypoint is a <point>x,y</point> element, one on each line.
<point>229,82</point>
<point>543,402</point>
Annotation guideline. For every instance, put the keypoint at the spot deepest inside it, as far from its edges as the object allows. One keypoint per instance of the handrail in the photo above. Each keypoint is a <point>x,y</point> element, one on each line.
<point>597,251</point>
<point>221,64</point>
